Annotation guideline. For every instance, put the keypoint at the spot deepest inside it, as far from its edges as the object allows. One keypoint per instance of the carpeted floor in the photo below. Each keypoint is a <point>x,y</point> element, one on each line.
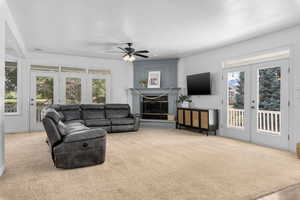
<point>156,164</point>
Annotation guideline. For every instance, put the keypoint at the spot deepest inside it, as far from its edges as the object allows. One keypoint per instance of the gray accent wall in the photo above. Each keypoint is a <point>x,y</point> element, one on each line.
<point>168,84</point>
<point>168,69</point>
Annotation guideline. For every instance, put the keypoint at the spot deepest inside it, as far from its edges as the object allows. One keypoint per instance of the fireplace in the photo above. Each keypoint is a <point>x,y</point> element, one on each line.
<point>155,107</point>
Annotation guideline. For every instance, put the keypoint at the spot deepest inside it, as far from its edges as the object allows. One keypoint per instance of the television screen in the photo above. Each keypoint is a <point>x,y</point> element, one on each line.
<point>199,84</point>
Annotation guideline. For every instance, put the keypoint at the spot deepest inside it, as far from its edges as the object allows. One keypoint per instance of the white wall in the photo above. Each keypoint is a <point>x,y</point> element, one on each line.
<point>211,61</point>
<point>121,80</point>
<point>7,24</point>
<point>2,65</point>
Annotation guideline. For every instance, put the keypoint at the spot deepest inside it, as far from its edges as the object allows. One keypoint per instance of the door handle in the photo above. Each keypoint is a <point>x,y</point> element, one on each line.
<point>252,107</point>
<point>32,104</point>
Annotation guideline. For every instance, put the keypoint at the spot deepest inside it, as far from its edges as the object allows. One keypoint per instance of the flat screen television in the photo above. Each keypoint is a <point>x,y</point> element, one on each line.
<point>199,84</point>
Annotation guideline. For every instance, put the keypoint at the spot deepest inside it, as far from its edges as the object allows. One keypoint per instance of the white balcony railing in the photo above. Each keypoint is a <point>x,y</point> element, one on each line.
<point>236,118</point>
<point>269,121</point>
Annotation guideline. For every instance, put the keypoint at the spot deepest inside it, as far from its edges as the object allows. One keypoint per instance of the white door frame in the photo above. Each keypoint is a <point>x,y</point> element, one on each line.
<point>34,125</point>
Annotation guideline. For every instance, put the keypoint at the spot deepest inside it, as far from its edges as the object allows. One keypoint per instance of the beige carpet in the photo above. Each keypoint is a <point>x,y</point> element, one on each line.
<point>151,164</point>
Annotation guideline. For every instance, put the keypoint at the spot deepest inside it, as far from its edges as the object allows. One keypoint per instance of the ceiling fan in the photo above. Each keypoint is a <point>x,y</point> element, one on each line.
<point>130,53</point>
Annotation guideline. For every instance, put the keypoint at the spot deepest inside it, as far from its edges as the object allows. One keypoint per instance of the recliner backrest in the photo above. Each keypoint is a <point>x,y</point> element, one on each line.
<point>117,111</point>
<point>51,121</point>
<point>70,112</point>
<point>92,111</point>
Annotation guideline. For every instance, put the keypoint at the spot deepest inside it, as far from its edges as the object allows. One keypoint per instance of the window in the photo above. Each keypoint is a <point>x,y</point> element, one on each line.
<point>11,87</point>
<point>99,91</point>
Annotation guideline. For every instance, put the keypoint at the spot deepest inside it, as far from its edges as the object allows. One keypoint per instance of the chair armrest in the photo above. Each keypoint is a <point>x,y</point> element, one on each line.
<point>84,135</point>
<point>135,115</point>
<point>136,118</point>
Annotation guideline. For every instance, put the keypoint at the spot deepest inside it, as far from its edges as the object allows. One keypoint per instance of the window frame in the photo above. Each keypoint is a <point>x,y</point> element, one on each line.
<point>19,96</point>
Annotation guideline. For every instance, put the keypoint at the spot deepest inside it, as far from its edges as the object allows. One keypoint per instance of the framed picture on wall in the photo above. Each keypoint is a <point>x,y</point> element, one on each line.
<point>154,79</point>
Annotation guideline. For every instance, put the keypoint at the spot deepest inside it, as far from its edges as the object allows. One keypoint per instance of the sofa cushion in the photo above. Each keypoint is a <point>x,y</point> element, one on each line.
<point>71,115</point>
<point>97,122</point>
<point>69,107</point>
<point>117,111</point>
<point>70,112</point>
<point>122,121</point>
<point>93,114</point>
<point>74,122</point>
<point>92,111</point>
<point>65,129</point>
<point>92,107</point>
<point>62,128</point>
<point>54,115</point>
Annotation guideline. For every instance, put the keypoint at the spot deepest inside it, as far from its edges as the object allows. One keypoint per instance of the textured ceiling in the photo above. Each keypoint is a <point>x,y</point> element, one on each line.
<point>168,28</point>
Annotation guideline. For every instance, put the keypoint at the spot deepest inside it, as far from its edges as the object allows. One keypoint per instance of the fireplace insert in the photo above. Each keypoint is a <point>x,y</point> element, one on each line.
<point>155,107</point>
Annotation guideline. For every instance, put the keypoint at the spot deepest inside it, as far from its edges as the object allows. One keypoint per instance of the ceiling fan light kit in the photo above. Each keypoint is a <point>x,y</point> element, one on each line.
<point>131,53</point>
<point>129,58</point>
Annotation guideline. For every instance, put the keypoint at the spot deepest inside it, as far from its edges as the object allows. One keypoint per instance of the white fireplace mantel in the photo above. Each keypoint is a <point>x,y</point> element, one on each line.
<point>137,94</point>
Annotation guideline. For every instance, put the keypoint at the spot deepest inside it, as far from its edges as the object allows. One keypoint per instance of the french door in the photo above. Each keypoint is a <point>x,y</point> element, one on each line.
<point>73,88</point>
<point>255,103</point>
<point>44,90</point>
<point>65,88</point>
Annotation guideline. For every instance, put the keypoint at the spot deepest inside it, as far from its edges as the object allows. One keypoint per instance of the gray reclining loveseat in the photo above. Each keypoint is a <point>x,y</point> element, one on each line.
<point>77,133</point>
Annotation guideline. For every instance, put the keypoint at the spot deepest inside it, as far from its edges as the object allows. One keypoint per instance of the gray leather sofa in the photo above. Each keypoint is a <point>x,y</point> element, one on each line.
<point>77,133</point>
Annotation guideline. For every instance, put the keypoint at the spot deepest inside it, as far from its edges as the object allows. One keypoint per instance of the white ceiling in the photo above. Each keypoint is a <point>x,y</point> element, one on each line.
<point>168,28</point>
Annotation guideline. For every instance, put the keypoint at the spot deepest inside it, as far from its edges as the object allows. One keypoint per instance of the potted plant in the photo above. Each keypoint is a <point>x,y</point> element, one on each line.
<point>184,100</point>
<point>143,83</point>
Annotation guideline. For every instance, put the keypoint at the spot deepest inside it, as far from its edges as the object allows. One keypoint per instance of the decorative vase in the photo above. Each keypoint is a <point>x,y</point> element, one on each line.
<point>185,104</point>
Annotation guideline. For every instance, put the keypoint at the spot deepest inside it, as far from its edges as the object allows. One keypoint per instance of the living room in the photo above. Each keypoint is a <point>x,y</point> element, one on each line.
<point>108,100</point>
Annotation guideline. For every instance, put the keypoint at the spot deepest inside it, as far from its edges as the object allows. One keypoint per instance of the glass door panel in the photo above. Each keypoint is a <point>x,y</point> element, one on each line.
<point>268,113</point>
<point>73,90</point>
<point>236,103</point>
<point>43,93</point>
<point>270,104</point>
<point>99,91</point>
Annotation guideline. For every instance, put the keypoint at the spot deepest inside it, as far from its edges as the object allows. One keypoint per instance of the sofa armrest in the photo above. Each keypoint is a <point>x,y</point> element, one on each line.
<point>136,118</point>
<point>84,135</point>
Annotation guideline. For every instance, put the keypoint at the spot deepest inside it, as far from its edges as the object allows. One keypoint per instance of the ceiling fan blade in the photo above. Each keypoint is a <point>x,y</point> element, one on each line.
<point>142,51</point>
<point>122,49</point>
<point>143,56</point>
<point>112,52</point>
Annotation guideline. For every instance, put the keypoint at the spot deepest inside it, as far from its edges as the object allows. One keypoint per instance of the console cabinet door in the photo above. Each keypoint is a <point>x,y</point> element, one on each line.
<point>188,120</point>
<point>204,119</point>
<point>195,119</point>
<point>180,116</point>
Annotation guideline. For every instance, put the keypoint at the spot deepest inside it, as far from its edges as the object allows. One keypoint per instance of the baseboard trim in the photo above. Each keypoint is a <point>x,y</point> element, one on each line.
<point>2,168</point>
